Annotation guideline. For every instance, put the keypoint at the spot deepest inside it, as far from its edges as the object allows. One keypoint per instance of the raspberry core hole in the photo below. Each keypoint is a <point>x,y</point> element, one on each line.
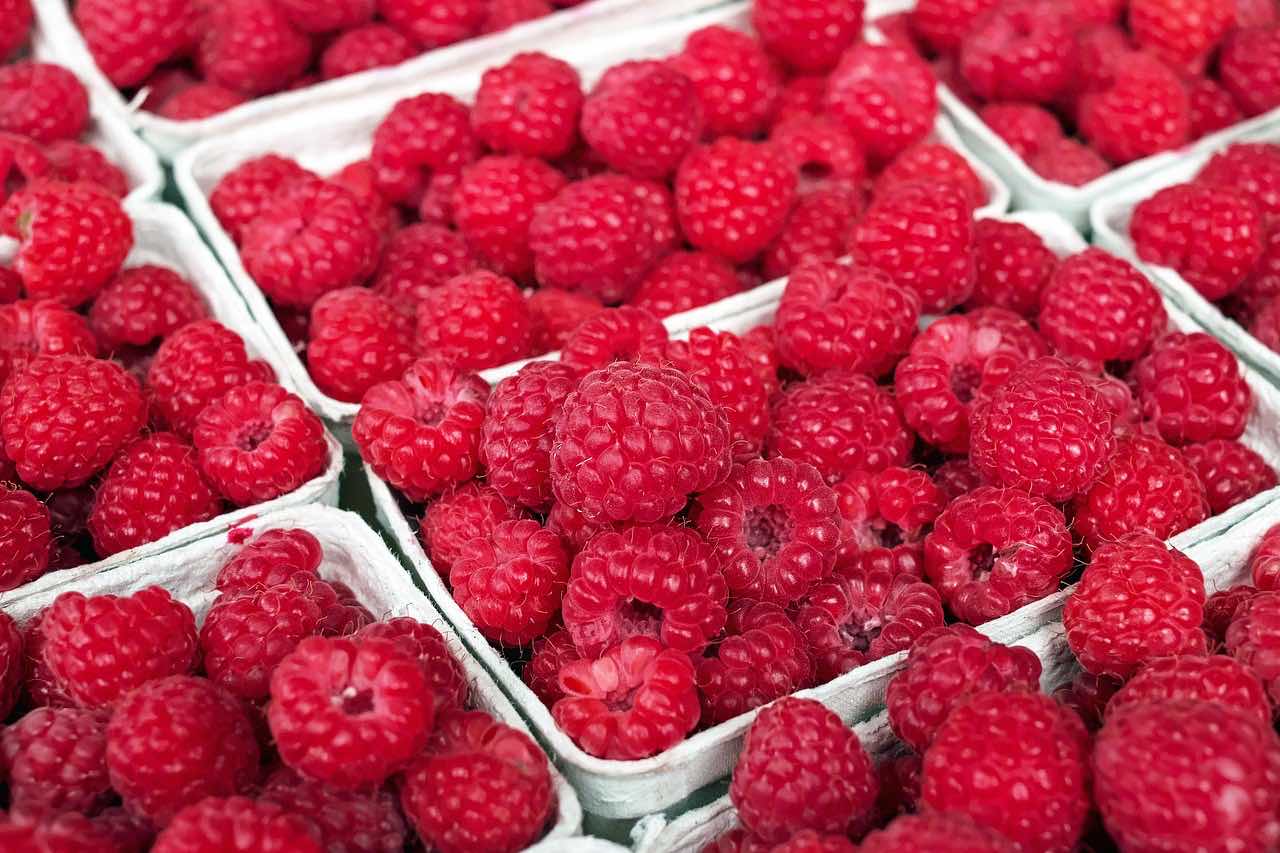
<point>890,535</point>
<point>965,379</point>
<point>982,559</point>
<point>767,530</point>
<point>859,636</point>
<point>640,618</point>
<point>354,701</point>
<point>253,434</point>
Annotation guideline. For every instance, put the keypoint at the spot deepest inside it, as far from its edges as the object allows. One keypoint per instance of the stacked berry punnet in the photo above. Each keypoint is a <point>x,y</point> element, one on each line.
<point>486,234</point>
<point>192,59</point>
<point>126,411</point>
<point>1077,88</point>
<point>280,714</point>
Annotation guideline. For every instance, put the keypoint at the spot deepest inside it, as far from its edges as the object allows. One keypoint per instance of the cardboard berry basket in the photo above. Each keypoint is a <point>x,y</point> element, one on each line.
<point>163,236</point>
<point>1032,192</point>
<point>593,20</point>
<point>1111,215</point>
<point>325,141</point>
<point>353,554</point>
<point>629,789</point>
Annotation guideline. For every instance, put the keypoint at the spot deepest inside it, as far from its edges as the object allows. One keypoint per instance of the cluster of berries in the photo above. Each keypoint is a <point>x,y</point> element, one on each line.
<point>668,185</point>
<point>193,59</point>
<point>126,412</point>
<point>1164,741</point>
<point>1078,87</point>
<point>290,720</point>
<point>683,530</point>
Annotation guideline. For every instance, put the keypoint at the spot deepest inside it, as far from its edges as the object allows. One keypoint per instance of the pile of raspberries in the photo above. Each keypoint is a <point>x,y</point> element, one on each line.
<point>1079,87</point>
<point>486,234</point>
<point>1163,741</point>
<point>291,720</point>
<point>126,411</point>
<point>667,533</point>
<point>192,59</point>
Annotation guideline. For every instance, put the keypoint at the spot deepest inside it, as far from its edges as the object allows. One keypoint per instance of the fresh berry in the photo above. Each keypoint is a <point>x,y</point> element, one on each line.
<point>1025,128</point>
<point>250,47</point>
<point>42,101</point>
<point>557,314</point>
<point>129,42</point>
<point>494,205</point>
<point>196,366</point>
<point>200,101</point>
<point>943,24</point>
<point>364,48</point>
<point>1191,388</point>
<point>1254,636</point>
<point>1066,161</point>
<point>1141,110</point>
<point>243,192</point>
<point>885,95</point>
<point>542,673</point>
<point>447,679</point>
<point>736,81</point>
<point>1099,308</point>
<point>529,106</point>
<point>433,24</point>
<point>1249,68</point>
<point>142,305</point>
<point>418,258</point>
<point>935,832</point>
<point>518,432</point>
<point>1212,107</point>
<point>1252,169</point>
<point>17,26</point>
<point>459,517</point>
<point>323,16</point>
<point>1215,678</point>
<point>642,118</point>
<point>683,281</point>
<point>1264,562</point>
<point>932,162</point>
<point>883,519</point>
<point>236,823</point>
<point>358,338</point>
<point>421,137</point>
<point>345,821</point>
<point>615,334</point>
<point>12,662</point>
<point>763,658</point>
<point>474,321</point>
<point>1220,610</point>
<point>809,36</point>
<point>56,759</point>
<point>1013,266</point>
<point>25,537</point>
<point>817,229</point>
<point>822,151</point>
<point>1022,50</point>
<point>504,14</point>
<point>30,328</point>
<point>1181,32</point>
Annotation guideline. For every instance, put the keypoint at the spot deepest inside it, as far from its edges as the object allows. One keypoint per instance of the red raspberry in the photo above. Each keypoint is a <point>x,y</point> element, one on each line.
<point>573,252</point>
<point>935,832</point>
<point>72,161</point>
<point>800,768</point>
<point>25,537</point>
<point>883,518</point>
<point>12,660</point>
<point>516,439</point>
<point>529,106</point>
<point>249,46</point>
<point>1262,284</point>
<point>364,48</point>
<point>1249,68</point>
<point>762,658</point>
<point>1181,755</point>
<point>476,320</point>
<point>834,316</point>
<point>1181,32</point>
<point>1022,50</point>
<point>642,118</point>
<point>436,205</point>
<point>1016,763</point>
<point>422,433</point>
<point>1066,161</point>
<point>154,487</point>
<point>510,794</point>
<point>1212,236</point>
<point>637,700</point>
<point>677,443</point>
<point>1216,678</point>
<point>1219,611</point>
<point>272,557</point>
<point>736,81</point>
<point>1142,109</point>
<point>1253,13</point>
<point>557,314</point>
<point>345,821</point>
<point>810,35</point>
<point>683,281</point>
<point>542,672</point>
<point>358,178</point>
<point>1264,563</point>
<point>418,258</point>
<point>74,237</point>
<point>1190,387</point>
<point>421,137</point>
<point>922,236</point>
<point>773,524</point>
<point>956,477</point>
<point>42,101</point>
<point>259,442</point>
<point>324,16</point>
<point>615,334</point>
<point>70,832</point>
<point>459,517</point>
<point>142,305</point>
<point>572,527</point>
<point>434,24</point>
<point>1147,487</point>
<point>943,24</point>
<point>129,42</point>
<point>311,238</point>
<point>1046,430</point>
<point>1138,600</point>
<point>17,26</point>
<point>1025,128</point>
<point>840,422</point>
<point>241,194</point>
<point>57,761</point>
<point>30,328</point>
<point>1254,636</point>
<point>510,583</point>
<point>1098,308</point>
<point>200,101</point>
<point>994,550</point>
<point>802,96</point>
<point>383,719</point>
<point>65,417</point>
<point>196,366</point>
<point>953,361</point>
<point>822,151</point>
<point>236,823</point>
<point>494,205</point>
<point>885,95</point>
<point>932,162</point>
<point>504,14</point>
<point>817,229</point>
<point>447,678</point>
<point>22,161</point>
<point>1013,266</point>
<point>1212,107</point>
<point>761,346</point>
<point>358,338</point>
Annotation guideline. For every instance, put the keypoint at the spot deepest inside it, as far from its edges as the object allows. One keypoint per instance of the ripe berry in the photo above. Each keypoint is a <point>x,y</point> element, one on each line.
<point>817,229</point>
<point>434,24</point>
<point>516,439</point>
<point>1025,128</point>
<point>200,101</point>
<point>345,821</point>
<point>683,281</point>
<point>142,305</point>
<point>1141,109</point>
<point>809,36</point>
<point>56,759</point>
<point>762,658</point>
<point>1013,267</point>
<point>885,95</point>
<point>446,677</point>
<point>1020,51</point>
<point>42,101</point>
<point>26,540</point>
<point>420,138</point>
<point>17,26</point>
<point>736,81</point>
<point>510,583</point>
<point>943,24</point>
<point>242,193</point>
<point>357,338</point>
<point>364,48</point>
<point>642,118</point>
<point>227,823</point>
<point>1214,678</point>
<point>1253,637</point>
<point>1264,562</point>
<point>823,152</point>
<point>1066,161</point>
<point>129,42</point>
<point>935,832</point>
<point>1212,107</point>
<point>1181,32</point>
<point>615,334</point>
<point>529,106</point>
<point>494,205</point>
<point>1098,308</point>
<point>1191,389</point>
<point>1219,611</point>
<point>418,258</point>
<point>1249,68</point>
<point>932,162</point>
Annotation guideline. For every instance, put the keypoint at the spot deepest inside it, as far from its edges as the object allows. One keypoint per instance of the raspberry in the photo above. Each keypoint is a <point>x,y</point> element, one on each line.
<point>615,334</point>
<point>735,80</point>
<point>345,821</point>
<point>529,106</point>
<point>572,527</point>
<point>922,236</point>
<point>250,47</point>
<point>153,488</point>
<point>17,26</point>
<point>422,433</point>
<point>510,583</point>
<point>1216,678</point>
<point>642,117</point>
<point>1220,609</point>
<point>142,305</point>
<point>1264,562</point>
<point>943,24</point>
<point>74,237</point>
<point>683,281</point>
<point>240,196</point>
<point>1098,308</point>
<point>1190,387</point>
<point>1025,128</point>
<point>12,662</point>
<point>259,442</point>
<point>761,346</point>
<point>42,101</point>
<point>1013,266</point>
<point>1183,751</point>
<point>802,97</point>
<point>504,14</point>
<point>1066,161</point>
<point>465,514</point>
<point>420,138</point>
<point>935,832</point>
<point>510,789</point>
<point>236,823</point>
<point>57,761</point>
<point>1212,107</point>
<point>542,672</point>
<point>323,16</point>
<point>800,768</point>
<point>67,832</point>
<point>516,438</point>
<point>434,24</point>
<point>25,537</point>
<point>932,162</point>
<point>436,204</point>
<point>447,678</point>
<point>885,96</point>
<point>809,36</point>
<point>1211,235</point>
<point>200,101</point>
<point>637,700</point>
<point>840,422</point>
<point>196,366</point>
<point>129,42</point>
<point>677,443</point>
<point>574,252</point>
<point>364,48</point>
<point>1141,110</point>
<point>312,238</point>
<point>1020,51</point>
<point>23,161</point>
<point>1253,637</point>
<point>64,418</point>
<point>30,328</point>
<point>1045,430</point>
<point>270,558</point>
<point>72,161</point>
<point>1249,68</point>
<point>762,658</point>
<point>475,320</point>
<point>557,314</point>
<point>1181,32</point>
<point>358,178</point>
<point>418,258</point>
<point>773,524</point>
<point>357,339</point>
<point>957,359</point>
<point>494,205</point>
<point>1138,600</point>
<point>1026,754</point>
<point>883,518</point>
